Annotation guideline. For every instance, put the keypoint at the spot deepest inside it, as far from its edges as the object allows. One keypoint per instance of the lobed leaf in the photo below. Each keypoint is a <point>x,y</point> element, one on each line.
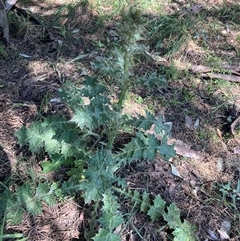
<point>26,197</point>
<point>172,217</point>
<point>142,147</point>
<point>45,193</point>
<point>145,204</point>
<point>157,209</point>
<point>105,235</point>
<point>99,175</point>
<point>185,232</point>
<point>13,210</point>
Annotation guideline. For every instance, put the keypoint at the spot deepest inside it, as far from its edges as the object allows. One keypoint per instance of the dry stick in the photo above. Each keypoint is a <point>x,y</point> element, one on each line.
<point>232,78</point>
<point>204,72</point>
<point>233,125</point>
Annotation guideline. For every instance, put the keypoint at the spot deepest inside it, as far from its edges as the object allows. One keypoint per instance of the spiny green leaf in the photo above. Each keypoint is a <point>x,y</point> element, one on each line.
<point>111,217</point>
<point>110,203</point>
<point>14,210</point>
<point>71,95</point>
<point>76,173</point>
<point>185,232</point>
<point>44,193</point>
<point>110,221</point>
<point>21,135</point>
<point>92,87</point>
<point>82,118</point>
<point>172,217</point>
<point>105,235</point>
<point>52,146</point>
<point>50,166</point>
<point>14,215</point>
<point>97,112</point>
<point>99,175</point>
<point>157,209</point>
<point>34,136</point>
<point>91,192</point>
<point>152,80</point>
<point>146,122</point>
<point>142,122</point>
<point>141,147</point>
<point>57,160</point>
<point>135,196</point>
<point>48,134</point>
<point>167,151</point>
<point>26,196</point>
<point>145,202</point>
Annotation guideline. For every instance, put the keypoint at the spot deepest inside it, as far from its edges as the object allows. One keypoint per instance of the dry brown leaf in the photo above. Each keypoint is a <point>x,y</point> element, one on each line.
<point>219,133</point>
<point>180,147</point>
<point>183,150</point>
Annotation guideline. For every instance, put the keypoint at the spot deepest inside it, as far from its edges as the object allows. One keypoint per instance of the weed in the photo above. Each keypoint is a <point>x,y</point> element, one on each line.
<point>230,195</point>
<point>168,33</point>
<point>86,145</point>
<point>112,8</point>
<point>3,52</point>
<point>214,61</point>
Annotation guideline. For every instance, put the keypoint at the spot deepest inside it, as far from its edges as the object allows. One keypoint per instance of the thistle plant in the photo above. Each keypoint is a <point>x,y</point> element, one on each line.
<point>85,144</point>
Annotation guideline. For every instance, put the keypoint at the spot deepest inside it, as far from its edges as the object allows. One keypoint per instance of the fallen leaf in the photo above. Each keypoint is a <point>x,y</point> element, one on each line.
<point>75,31</point>
<point>180,147</point>
<point>113,33</point>
<point>25,56</point>
<point>195,190</point>
<point>56,100</point>
<point>175,171</point>
<point>196,124</point>
<point>10,3</point>
<point>236,150</point>
<point>226,226</point>
<point>183,149</point>
<point>223,235</point>
<point>188,122</point>
<point>212,234</point>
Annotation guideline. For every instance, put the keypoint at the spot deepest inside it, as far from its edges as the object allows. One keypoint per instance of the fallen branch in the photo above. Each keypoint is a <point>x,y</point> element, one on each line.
<point>233,125</point>
<point>231,78</point>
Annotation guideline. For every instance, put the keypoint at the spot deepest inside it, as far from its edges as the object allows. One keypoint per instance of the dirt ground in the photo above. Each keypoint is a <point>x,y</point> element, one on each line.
<point>38,60</point>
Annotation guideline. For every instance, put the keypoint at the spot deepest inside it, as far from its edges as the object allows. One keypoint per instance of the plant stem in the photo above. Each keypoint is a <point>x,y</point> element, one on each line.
<point>89,234</point>
<point>125,87</point>
<point>126,79</point>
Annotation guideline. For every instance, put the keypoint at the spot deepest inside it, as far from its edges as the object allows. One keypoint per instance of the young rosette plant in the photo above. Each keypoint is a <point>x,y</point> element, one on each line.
<point>86,143</point>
